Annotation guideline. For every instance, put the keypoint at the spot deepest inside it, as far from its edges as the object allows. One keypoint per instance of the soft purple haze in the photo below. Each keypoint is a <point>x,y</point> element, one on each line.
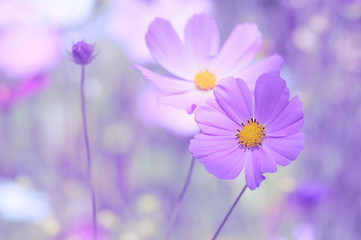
<point>140,149</point>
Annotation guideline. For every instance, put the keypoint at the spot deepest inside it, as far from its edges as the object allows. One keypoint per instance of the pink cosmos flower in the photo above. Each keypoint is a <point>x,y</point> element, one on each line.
<point>26,51</point>
<point>82,231</point>
<point>198,64</point>
<point>238,134</point>
<point>14,93</point>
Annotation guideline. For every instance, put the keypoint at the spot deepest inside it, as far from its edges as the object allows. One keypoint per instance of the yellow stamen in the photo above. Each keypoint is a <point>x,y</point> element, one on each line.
<point>205,80</point>
<point>252,134</point>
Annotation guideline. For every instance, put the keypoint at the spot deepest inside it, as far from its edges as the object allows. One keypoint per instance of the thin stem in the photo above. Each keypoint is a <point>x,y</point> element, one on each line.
<point>179,201</point>
<point>229,213</point>
<point>89,162</point>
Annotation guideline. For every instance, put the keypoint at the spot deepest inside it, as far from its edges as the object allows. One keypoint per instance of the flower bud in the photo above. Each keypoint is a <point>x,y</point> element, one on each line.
<point>82,53</point>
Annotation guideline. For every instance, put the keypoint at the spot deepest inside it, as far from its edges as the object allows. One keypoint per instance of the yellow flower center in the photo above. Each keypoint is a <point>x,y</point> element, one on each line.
<point>252,134</point>
<point>205,80</point>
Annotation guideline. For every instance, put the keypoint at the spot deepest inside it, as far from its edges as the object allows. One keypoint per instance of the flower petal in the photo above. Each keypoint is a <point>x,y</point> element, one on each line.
<point>289,121</point>
<point>225,164</point>
<point>187,100</point>
<point>269,64</point>
<point>202,39</point>
<point>212,120</point>
<point>166,84</point>
<point>285,149</point>
<point>238,51</point>
<point>271,97</point>
<point>265,160</point>
<point>252,170</point>
<point>234,97</point>
<point>203,145</point>
<point>166,47</point>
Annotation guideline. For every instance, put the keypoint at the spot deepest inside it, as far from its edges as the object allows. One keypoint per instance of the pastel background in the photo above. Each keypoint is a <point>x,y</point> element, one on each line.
<point>140,149</point>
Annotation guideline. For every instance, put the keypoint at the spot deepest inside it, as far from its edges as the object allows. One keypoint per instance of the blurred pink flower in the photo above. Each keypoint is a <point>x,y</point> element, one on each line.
<point>30,40</point>
<point>83,232</point>
<point>14,12</point>
<point>140,13</point>
<point>28,51</point>
<point>11,94</point>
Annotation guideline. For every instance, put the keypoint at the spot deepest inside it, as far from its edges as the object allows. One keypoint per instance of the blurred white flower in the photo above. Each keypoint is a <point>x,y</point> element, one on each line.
<point>45,13</point>
<point>129,20</point>
<point>304,232</point>
<point>18,203</point>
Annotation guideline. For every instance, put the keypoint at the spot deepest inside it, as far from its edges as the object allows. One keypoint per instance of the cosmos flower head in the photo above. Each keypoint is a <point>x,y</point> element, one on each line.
<point>82,53</point>
<point>255,133</point>
<point>197,64</point>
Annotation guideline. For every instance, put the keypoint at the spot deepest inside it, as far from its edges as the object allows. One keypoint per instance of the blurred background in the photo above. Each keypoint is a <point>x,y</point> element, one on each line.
<point>140,149</point>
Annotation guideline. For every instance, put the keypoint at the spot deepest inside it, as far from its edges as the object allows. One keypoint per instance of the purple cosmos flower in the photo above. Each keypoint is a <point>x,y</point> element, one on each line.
<point>236,134</point>
<point>198,64</point>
